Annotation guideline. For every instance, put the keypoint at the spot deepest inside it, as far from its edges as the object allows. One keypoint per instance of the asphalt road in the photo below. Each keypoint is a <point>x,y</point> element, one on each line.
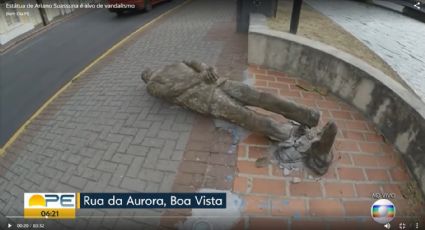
<point>35,69</point>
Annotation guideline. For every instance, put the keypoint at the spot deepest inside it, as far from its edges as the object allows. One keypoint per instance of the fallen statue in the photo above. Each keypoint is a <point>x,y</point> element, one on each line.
<point>197,86</point>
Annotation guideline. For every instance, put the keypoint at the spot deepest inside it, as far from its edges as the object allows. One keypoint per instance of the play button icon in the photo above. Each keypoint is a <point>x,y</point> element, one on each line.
<point>9,225</point>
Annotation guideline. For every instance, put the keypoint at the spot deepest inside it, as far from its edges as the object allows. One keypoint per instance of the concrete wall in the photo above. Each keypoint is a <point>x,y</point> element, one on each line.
<point>398,113</point>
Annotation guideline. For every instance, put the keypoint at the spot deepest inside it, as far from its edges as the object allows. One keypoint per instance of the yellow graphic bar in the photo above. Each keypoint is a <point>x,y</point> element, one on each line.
<point>78,200</point>
<point>49,213</point>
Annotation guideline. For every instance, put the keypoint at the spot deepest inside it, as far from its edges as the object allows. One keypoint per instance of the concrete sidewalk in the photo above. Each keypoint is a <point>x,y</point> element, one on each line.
<point>106,134</point>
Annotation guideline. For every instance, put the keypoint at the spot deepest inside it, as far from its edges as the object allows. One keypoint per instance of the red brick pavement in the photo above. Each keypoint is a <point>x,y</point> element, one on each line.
<point>363,164</point>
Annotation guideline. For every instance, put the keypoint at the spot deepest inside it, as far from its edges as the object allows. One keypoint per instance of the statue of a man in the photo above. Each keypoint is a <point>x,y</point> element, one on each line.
<point>198,87</point>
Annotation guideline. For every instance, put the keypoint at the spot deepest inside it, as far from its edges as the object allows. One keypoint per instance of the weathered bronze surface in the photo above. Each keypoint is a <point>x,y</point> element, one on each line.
<point>198,87</point>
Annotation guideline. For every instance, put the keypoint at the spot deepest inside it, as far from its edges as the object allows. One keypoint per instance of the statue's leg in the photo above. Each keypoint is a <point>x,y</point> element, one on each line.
<point>291,110</point>
<point>319,155</point>
<point>226,108</point>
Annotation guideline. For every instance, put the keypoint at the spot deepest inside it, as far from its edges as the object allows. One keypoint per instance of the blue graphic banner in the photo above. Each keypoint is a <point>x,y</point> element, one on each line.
<point>152,200</point>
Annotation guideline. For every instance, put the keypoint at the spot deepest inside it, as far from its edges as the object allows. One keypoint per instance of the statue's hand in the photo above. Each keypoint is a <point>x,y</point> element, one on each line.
<point>210,75</point>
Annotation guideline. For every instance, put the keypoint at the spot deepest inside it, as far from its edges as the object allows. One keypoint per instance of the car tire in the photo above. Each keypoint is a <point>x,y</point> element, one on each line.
<point>148,6</point>
<point>119,13</point>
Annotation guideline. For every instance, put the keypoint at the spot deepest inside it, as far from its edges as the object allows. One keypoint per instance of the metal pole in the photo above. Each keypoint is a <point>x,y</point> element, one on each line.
<point>295,16</point>
<point>43,13</point>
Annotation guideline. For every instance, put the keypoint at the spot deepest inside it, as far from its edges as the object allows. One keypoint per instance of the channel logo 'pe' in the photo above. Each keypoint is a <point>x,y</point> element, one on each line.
<point>49,205</point>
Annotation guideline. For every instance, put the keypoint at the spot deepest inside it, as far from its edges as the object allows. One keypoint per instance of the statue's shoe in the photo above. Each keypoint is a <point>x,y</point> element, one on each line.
<point>325,139</point>
<point>319,156</point>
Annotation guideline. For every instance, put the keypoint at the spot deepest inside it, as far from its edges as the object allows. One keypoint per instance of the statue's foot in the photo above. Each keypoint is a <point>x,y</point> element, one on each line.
<point>319,156</point>
<point>325,139</point>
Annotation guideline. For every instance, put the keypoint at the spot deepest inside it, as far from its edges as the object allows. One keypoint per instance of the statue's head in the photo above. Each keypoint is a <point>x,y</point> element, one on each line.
<point>146,75</point>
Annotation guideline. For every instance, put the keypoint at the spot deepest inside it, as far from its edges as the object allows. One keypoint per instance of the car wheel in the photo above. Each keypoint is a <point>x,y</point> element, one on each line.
<point>119,13</point>
<point>148,5</point>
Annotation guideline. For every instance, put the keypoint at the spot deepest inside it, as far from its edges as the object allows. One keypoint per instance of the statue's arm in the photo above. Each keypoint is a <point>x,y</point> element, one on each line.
<point>180,86</point>
<point>207,73</point>
<point>172,87</point>
<point>196,66</point>
<point>165,86</point>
